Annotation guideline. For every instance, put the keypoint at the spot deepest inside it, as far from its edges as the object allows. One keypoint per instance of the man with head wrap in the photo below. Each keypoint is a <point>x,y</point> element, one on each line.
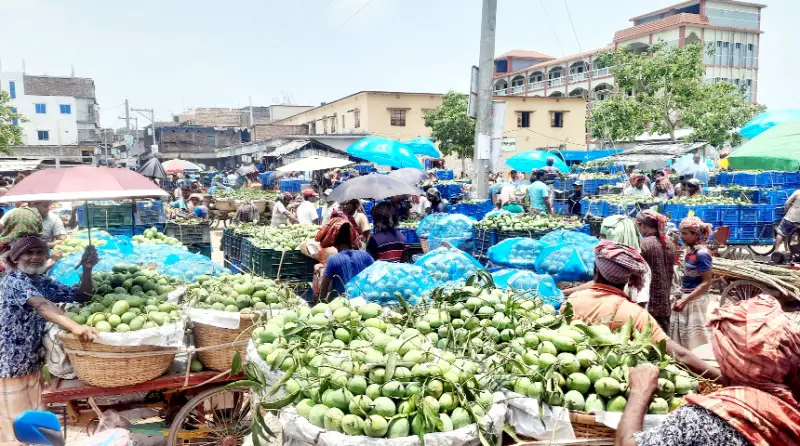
<point>659,252</point>
<point>758,350</point>
<point>605,302</point>
<point>27,301</point>
<point>689,311</point>
<point>638,187</point>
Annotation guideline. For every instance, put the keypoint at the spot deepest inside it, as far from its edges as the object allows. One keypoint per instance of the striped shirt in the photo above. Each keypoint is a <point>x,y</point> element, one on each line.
<point>387,245</point>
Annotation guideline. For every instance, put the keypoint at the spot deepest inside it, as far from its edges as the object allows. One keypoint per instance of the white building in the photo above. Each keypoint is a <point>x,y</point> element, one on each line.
<point>732,28</point>
<point>60,110</point>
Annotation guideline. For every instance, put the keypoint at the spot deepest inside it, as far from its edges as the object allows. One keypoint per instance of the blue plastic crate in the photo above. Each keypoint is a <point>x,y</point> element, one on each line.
<point>765,179</point>
<point>744,179</point>
<point>676,211</point>
<point>411,236</point>
<point>291,186</point>
<point>363,169</point>
<point>445,175</point>
<point>235,266</point>
<point>708,213</point>
<point>757,233</point>
<point>792,179</point>
<point>120,231</point>
<point>748,213</point>
<point>729,214</point>
<point>768,213</point>
<point>593,207</point>
<point>139,229</point>
<point>779,178</point>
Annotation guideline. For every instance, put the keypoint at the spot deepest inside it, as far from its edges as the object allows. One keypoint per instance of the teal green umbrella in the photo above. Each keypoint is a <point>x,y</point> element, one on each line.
<point>775,149</point>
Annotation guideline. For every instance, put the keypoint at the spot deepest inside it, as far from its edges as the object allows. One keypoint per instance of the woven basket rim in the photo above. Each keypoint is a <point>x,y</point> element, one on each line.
<point>97,346</point>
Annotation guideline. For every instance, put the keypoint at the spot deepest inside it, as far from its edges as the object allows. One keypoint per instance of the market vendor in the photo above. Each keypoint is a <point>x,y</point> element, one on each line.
<point>386,242</point>
<point>688,317</point>
<point>575,198</point>
<point>638,186</point>
<point>514,207</point>
<point>280,214</point>
<point>307,210</point>
<point>615,267</point>
<point>758,350</point>
<point>355,213</point>
<point>539,193</point>
<point>343,266</point>
<point>662,187</point>
<point>435,198</point>
<point>790,221</point>
<point>53,231</point>
<point>660,253</point>
<point>29,301</point>
<point>692,187</point>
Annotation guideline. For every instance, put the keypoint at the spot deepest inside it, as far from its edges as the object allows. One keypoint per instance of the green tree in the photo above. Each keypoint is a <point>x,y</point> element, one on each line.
<point>452,127</point>
<point>662,90</point>
<point>10,134</point>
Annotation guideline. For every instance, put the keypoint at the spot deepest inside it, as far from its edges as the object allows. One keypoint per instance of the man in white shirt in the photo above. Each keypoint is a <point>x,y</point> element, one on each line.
<point>307,211</point>
<point>281,215</point>
<point>53,231</point>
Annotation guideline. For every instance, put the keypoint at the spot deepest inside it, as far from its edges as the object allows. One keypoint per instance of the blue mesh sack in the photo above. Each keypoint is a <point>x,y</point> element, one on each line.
<point>426,224</point>
<point>455,229</point>
<point>64,270</point>
<point>524,281</point>
<point>517,252</point>
<point>567,262</point>
<point>384,282</point>
<point>560,236</point>
<point>448,264</point>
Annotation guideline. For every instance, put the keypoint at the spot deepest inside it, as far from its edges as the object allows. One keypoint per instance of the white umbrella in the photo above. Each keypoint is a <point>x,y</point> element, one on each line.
<point>314,163</point>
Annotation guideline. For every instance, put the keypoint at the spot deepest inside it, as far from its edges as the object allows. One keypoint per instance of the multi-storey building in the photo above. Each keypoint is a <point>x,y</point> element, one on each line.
<point>730,29</point>
<point>59,110</point>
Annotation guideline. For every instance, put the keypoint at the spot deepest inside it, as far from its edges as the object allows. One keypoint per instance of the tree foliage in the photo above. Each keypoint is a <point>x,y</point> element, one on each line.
<point>452,127</point>
<point>10,134</point>
<point>662,90</point>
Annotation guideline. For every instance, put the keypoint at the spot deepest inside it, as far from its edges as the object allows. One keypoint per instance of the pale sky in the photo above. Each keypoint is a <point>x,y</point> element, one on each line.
<point>175,54</point>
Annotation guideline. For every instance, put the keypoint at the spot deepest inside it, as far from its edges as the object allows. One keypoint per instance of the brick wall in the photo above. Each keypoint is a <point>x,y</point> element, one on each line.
<point>264,131</point>
<point>195,141</point>
<point>59,86</point>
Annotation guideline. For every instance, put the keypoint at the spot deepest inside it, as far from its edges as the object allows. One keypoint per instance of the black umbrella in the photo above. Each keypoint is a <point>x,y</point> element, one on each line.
<point>153,169</point>
<point>373,186</point>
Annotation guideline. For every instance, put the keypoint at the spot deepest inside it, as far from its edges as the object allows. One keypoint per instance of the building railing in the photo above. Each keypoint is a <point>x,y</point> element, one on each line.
<point>501,92</point>
<point>556,81</point>
<point>601,72</point>
<point>517,88</point>
<point>536,85</point>
<point>577,77</point>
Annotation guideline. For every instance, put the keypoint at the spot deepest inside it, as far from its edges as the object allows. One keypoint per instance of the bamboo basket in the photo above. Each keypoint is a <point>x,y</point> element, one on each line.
<point>118,371</point>
<point>219,359</point>
<point>585,426</point>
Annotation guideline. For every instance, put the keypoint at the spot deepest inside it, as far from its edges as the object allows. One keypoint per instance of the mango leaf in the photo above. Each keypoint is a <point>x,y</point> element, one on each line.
<point>281,402</point>
<point>508,429</point>
<point>391,364</point>
<point>418,425</point>
<point>286,377</point>
<point>245,383</point>
<point>236,363</point>
<point>46,374</point>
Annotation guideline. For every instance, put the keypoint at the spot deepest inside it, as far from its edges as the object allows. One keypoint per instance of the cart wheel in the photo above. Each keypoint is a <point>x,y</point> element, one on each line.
<point>761,250</point>
<point>737,253</point>
<point>741,290</point>
<point>217,416</point>
<point>793,242</point>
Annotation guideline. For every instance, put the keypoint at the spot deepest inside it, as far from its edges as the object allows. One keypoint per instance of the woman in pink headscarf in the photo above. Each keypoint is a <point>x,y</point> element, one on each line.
<point>689,311</point>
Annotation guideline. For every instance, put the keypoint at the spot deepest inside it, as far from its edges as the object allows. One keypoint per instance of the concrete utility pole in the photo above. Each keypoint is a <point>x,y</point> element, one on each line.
<point>483,124</point>
<point>152,119</point>
<point>127,116</point>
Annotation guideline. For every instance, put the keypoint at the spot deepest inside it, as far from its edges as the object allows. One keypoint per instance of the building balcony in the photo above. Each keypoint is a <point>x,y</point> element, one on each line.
<point>517,89</point>
<point>536,85</point>
<point>601,72</point>
<point>501,92</point>
<point>577,77</point>
<point>555,82</point>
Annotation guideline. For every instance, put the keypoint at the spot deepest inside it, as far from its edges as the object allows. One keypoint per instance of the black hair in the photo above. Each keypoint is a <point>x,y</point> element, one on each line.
<point>539,174</point>
<point>343,236</point>
<point>513,173</point>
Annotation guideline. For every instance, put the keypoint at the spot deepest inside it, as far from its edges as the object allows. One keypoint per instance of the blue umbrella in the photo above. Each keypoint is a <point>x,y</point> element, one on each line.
<point>764,121</point>
<point>424,146</point>
<point>385,152</point>
<point>535,159</point>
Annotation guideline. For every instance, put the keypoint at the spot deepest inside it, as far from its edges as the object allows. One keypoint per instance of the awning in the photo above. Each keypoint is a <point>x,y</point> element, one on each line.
<point>18,166</point>
<point>647,152</point>
<point>775,149</point>
<point>586,155</point>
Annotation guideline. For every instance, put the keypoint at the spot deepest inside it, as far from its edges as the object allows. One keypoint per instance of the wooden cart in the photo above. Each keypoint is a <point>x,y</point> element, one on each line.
<point>196,408</point>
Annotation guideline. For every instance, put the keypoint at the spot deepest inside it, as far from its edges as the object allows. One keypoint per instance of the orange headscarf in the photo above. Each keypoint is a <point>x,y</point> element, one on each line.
<point>758,347</point>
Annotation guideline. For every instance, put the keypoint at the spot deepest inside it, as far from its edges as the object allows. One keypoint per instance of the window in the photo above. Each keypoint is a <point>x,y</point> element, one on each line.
<point>343,122</point>
<point>41,108</point>
<point>14,122</point>
<point>398,117</point>
<point>66,109</point>
<point>324,126</point>
<point>556,119</point>
<point>211,140</point>
<point>43,135</point>
<point>12,89</point>
<point>333,124</point>
<point>357,118</point>
<point>524,119</point>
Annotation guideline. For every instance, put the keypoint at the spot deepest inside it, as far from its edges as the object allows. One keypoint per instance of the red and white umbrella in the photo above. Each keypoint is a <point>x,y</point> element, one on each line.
<point>83,183</point>
<point>177,166</point>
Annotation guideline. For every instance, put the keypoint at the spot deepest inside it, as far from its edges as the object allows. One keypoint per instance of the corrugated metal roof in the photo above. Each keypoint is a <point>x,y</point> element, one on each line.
<point>293,146</point>
<point>18,166</point>
<point>644,152</point>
